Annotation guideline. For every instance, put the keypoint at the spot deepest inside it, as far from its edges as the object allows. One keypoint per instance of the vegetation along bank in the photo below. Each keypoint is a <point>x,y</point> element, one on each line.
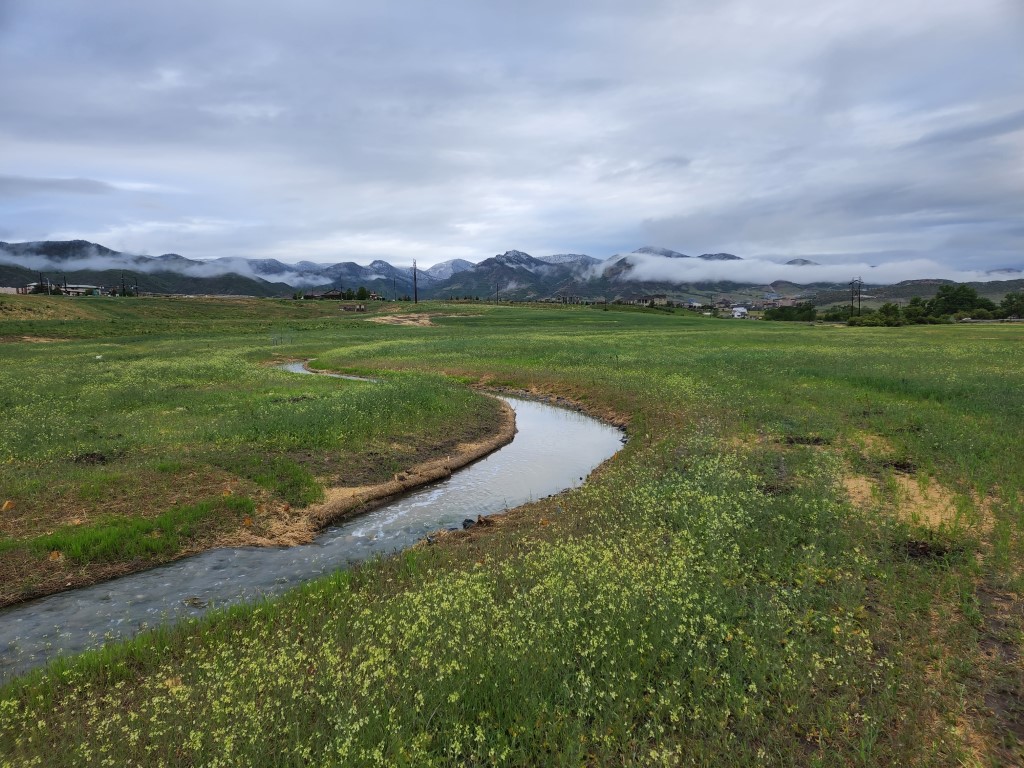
<point>808,554</point>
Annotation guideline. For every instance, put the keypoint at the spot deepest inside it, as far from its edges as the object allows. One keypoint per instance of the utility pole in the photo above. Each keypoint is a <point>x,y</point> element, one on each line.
<point>394,286</point>
<point>855,285</point>
<point>495,293</point>
<point>415,291</point>
<point>123,288</point>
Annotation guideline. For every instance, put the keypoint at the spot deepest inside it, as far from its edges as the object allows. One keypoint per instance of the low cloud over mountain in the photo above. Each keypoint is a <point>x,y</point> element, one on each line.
<point>80,255</point>
<point>651,267</point>
<point>513,274</point>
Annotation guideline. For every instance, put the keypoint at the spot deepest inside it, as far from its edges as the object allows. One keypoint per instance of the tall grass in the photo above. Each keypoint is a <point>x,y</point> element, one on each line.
<point>128,539</point>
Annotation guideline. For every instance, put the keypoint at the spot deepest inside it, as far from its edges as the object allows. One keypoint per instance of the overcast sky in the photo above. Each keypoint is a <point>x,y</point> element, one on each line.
<point>844,131</point>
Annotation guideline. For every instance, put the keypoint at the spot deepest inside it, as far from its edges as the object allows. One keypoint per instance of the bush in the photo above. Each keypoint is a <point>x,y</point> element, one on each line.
<point>801,312</point>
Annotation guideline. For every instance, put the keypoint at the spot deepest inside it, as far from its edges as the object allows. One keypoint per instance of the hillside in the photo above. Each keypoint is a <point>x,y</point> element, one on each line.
<point>513,275</point>
<point>153,282</point>
<point>873,295</point>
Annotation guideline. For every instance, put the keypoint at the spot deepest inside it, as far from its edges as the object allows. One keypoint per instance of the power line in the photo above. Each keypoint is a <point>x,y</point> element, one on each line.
<point>855,291</point>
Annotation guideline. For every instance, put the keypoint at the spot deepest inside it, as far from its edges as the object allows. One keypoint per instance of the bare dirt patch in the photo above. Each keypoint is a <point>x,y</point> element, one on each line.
<point>861,490</point>
<point>420,319</point>
<point>28,340</point>
<point>927,503</point>
<point>873,444</point>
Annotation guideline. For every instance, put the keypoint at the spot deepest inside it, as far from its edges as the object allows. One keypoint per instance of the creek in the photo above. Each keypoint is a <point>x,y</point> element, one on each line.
<point>554,449</point>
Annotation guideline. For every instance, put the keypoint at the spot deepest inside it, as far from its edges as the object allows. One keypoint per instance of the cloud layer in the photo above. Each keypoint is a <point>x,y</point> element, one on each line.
<point>659,269</point>
<point>399,130</point>
<point>89,259</point>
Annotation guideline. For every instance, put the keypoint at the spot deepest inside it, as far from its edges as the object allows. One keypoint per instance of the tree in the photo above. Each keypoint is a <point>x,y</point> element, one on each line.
<point>951,299</point>
<point>837,314</point>
<point>1012,304</point>
<point>362,294</point>
<point>916,310</point>
<point>805,312</point>
<point>890,314</point>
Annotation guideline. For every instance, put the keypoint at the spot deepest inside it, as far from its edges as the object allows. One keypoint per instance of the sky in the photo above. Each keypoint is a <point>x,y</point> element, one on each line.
<point>846,132</point>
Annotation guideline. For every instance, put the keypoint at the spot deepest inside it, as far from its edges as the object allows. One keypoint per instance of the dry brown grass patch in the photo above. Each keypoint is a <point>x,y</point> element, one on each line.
<point>921,502</point>
<point>418,319</point>
<point>874,444</point>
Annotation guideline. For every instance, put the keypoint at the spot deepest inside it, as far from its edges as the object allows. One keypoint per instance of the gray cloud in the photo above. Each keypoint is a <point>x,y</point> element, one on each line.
<point>988,128</point>
<point>20,186</point>
<point>91,260</point>
<point>401,130</point>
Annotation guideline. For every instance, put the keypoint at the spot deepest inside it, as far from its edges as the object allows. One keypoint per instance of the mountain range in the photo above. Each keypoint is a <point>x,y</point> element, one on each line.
<point>511,275</point>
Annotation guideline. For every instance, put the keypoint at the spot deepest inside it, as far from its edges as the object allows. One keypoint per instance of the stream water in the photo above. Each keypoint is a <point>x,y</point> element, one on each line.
<point>554,449</point>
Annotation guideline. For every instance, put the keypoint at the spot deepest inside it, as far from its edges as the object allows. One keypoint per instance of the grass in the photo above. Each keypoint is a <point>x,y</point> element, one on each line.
<point>114,431</point>
<point>711,597</point>
<point>120,538</point>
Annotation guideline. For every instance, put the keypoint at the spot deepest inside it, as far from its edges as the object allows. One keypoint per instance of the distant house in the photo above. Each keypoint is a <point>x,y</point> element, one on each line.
<point>334,294</point>
<point>657,300</point>
<point>739,312</point>
<point>81,290</point>
<point>59,289</point>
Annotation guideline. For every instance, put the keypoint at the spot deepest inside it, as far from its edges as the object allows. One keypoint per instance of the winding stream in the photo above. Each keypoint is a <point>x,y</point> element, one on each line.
<point>554,449</point>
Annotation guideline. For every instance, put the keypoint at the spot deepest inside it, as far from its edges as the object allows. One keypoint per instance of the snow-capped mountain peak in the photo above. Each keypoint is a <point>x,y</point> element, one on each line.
<point>446,269</point>
<point>569,258</point>
<point>650,250</point>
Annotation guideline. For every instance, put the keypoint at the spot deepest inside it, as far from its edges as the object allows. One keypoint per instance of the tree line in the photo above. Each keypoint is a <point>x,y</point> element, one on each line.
<point>950,303</point>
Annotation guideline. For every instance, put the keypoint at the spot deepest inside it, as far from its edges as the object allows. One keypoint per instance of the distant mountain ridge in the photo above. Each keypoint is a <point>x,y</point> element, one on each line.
<point>513,274</point>
<point>648,250</point>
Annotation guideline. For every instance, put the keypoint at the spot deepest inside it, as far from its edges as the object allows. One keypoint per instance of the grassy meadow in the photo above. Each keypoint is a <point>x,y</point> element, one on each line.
<point>148,441</point>
<point>809,552</point>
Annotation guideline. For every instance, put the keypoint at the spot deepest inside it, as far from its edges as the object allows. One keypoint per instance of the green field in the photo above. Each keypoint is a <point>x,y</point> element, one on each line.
<point>807,554</point>
<point>150,439</point>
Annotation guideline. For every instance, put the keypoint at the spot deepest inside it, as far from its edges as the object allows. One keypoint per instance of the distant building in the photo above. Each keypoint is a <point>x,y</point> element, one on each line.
<point>58,289</point>
<point>739,312</point>
<point>81,290</point>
